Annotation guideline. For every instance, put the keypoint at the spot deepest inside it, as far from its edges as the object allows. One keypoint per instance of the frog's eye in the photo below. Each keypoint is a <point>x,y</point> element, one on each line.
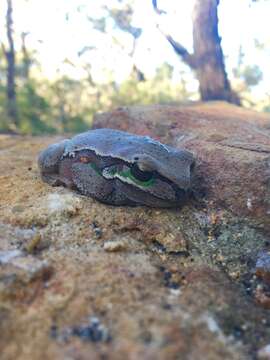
<point>131,175</point>
<point>84,159</point>
<point>139,174</point>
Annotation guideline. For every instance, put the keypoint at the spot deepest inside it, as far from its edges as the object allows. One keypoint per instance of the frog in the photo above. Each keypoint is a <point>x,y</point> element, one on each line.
<point>120,168</point>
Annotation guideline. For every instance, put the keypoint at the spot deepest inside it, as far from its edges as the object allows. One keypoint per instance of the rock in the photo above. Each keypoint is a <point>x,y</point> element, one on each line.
<point>264,353</point>
<point>31,267</point>
<point>263,266</point>
<point>262,296</point>
<point>8,256</point>
<point>21,276</point>
<point>231,144</point>
<point>122,282</point>
<point>92,331</point>
<point>59,204</point>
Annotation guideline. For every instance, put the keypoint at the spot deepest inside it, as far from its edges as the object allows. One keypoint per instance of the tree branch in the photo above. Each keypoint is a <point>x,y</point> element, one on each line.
<point>3,48</point>
<point>180,50</point>
<point>157,10</point>
<point>9,26</point>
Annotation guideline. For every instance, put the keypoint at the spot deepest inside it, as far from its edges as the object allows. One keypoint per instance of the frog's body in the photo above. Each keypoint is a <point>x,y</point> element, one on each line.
<point>119,168</point>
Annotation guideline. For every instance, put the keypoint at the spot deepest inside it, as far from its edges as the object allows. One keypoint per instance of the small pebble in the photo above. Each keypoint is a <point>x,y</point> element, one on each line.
<point>264,353</point>
<point>262,268</point>
<point>27,266</point>
<point>7,256</point>
<point>59,204</point>
<point>97,230</point>
<point>33,244</point>
<point>175,292</point>
<point>91,331</point>
<point>116,245</point>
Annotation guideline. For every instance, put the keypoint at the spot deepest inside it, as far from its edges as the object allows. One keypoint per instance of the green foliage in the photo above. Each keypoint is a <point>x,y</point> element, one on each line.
<point>246,79</point>
<point>68,105</point>
<point>34,111</point>
<point>252,75</point>
<point>122,16</point>
<point>157,90</point>
<point>69,108</point>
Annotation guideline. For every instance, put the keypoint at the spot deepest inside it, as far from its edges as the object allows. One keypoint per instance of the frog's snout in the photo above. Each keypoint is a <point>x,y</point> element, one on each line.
<point>49,159</point>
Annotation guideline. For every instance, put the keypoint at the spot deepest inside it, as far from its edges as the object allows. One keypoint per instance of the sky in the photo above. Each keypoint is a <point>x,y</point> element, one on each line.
<point>55,38</point>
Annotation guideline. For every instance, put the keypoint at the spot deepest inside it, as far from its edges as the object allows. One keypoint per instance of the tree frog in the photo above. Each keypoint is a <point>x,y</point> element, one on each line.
<point>119,168</point>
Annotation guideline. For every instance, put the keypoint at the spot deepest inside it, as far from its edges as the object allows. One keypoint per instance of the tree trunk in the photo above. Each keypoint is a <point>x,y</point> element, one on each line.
<point>210,69</point>
<point>10,56</point>
<point>207,60</point>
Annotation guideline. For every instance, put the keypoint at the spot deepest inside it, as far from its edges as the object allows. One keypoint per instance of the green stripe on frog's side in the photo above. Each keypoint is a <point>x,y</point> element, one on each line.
<point>125,174</point>
<point>94,167</point>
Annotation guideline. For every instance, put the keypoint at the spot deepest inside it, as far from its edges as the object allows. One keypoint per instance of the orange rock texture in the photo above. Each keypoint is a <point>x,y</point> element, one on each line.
<point>84,280</point>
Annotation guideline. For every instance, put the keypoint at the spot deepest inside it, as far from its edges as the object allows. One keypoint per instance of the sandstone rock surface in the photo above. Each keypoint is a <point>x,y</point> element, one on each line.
<point>83,280</point>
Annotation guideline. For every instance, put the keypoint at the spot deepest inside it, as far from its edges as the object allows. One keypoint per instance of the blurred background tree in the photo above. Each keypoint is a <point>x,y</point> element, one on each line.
<point>9,52</point>
<point>61,62</point>
<point>207,59</point>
